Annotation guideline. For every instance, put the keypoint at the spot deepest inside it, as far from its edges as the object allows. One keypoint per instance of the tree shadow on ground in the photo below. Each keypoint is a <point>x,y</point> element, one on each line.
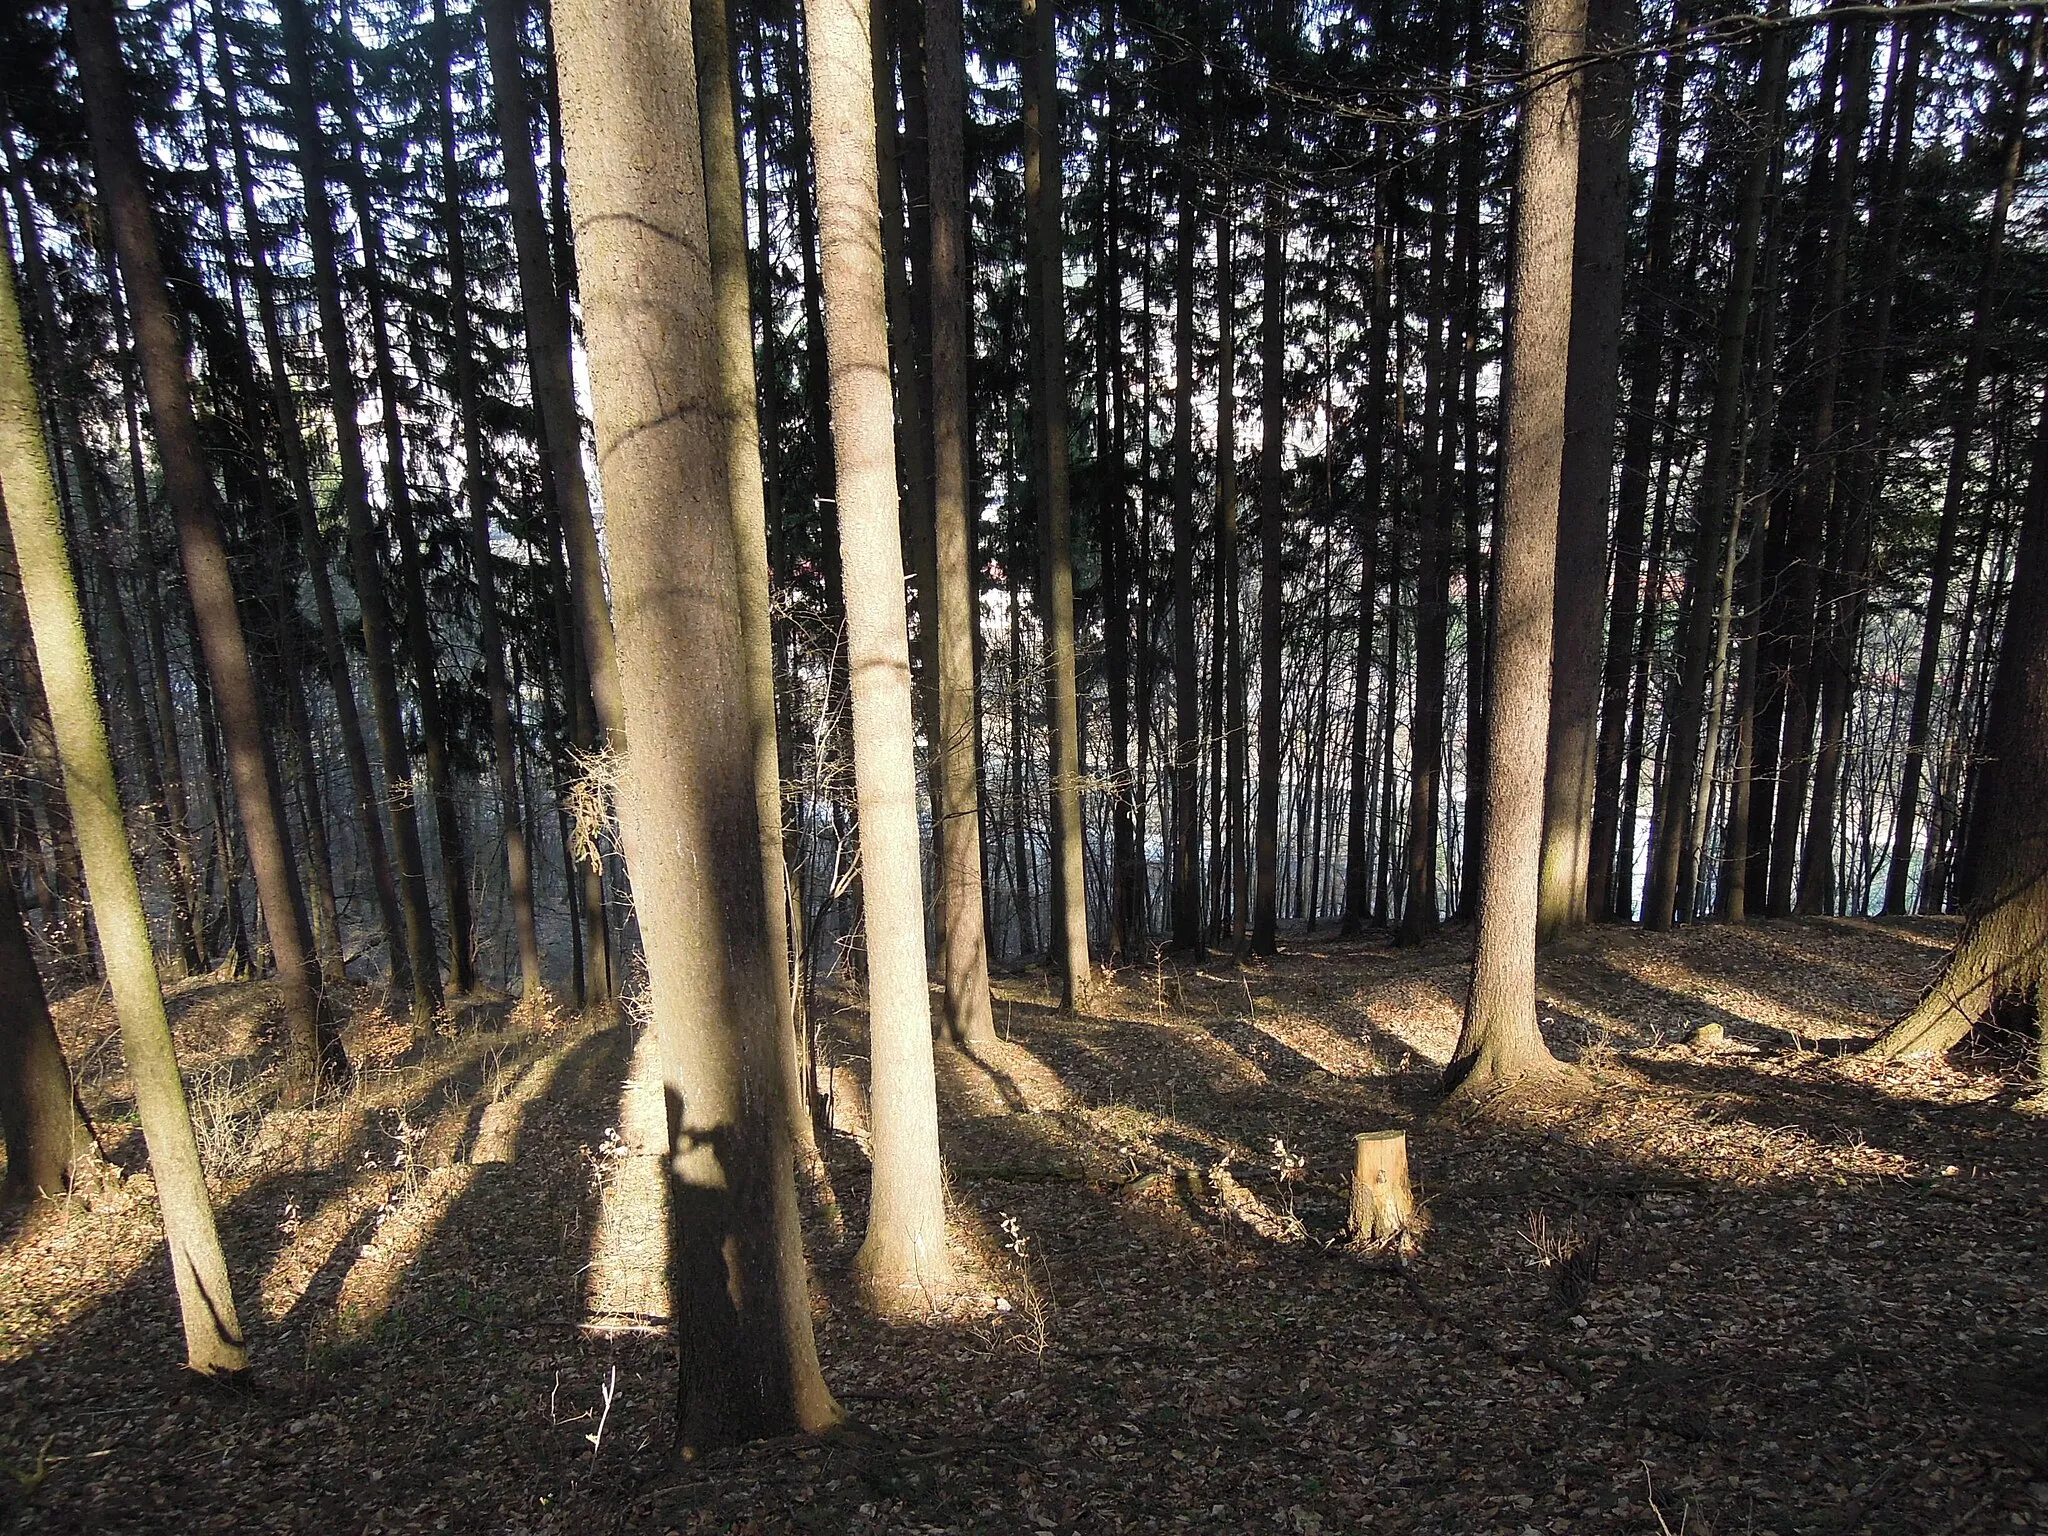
<point>1818,1331</point>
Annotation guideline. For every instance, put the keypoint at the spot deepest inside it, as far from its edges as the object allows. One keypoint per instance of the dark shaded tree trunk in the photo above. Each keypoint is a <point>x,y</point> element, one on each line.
<point>314,1049</point>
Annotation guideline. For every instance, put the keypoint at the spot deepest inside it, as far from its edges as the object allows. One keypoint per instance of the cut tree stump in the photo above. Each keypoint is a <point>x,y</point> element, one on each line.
<point>1382,1209</point>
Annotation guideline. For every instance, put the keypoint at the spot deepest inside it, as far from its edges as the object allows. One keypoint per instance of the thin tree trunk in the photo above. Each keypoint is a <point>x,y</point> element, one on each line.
<point>1358,903</point>
<point>314,1049</point>
<point>1042,157</point>
<point>963,941</point>
<point>213,1334</point>
<point>476,486</point>
<point>1265,937</point>
<point>543,280</point>
<point>408,858</point>
<point>1185,857</point>
<point>1899,875</point>
<point>1619,744</point>
<point>749,1366</point>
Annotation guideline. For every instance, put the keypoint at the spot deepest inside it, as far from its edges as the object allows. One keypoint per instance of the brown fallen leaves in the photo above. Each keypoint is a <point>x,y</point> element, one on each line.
<point>1816,1305</point>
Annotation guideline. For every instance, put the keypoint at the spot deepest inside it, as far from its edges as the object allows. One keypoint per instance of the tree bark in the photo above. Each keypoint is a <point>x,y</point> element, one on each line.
<point>2002,958</point>
<point>1644,361</point>
<point>213,1335</point>
<point>906,1241</point>
<point>477,488</point>
<point>733,360</point>
<point>314,1050</point>
<point>1185,918</point>
<point>963,941</point>
<point>1042,157</point>
<point>345,402</point>
<point>749,1366</point>
<point>1599,263</point>
<point>1265,936</point>
<point>546,314</point>
<point>1899,875</point>
<point>1501,1043</point>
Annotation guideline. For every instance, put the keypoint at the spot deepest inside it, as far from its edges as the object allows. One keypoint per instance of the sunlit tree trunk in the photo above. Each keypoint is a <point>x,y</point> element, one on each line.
<point>906,1240</point>
<point>213,1335</point>
<point>1185,898</point>
<point>1500,1042</point>
<point>749,1364</point>
<point>1265,938</point>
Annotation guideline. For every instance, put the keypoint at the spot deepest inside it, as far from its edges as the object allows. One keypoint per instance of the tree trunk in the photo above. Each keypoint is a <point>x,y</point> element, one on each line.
<point>1042,155</point>
<point>1358,903</point>
<point>382,878</point>
<point>213,1335</point>
<point>45,1136</point>
<point>345,403</point>
<point>476,486</point>
<point>314,1049</point>
<point>749,1366</point>
<point>1599,263</point>
<point>963,942</point>
<point>733,360</point>
<point>1644,362</point>
<point>418,632</point>
<point>1265,937</point>
<point>906,1241</point>
<point>2001,961</point>
<point>1899,875</point>
<point>1185,856</point>
<point>546,314</point>
<point>1500,1042</point>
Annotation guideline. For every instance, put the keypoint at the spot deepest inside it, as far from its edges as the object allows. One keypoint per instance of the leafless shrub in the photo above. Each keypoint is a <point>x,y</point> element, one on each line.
<point>1569,1255</point>
<point>226,1120</point>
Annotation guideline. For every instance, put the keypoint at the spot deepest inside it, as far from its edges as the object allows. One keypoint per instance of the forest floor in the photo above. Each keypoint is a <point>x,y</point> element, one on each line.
<point>1808,1293</point>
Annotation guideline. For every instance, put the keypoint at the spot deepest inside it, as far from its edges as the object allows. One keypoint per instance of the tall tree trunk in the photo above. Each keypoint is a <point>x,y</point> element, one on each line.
<point>1358,904</point>
<point>2003,954</point>
<point>1265,936</point>
<point>749,1363</point>
<point>1644,360</point>
<point>906,1239</point>
<point>733,360</point>
<point>543,281</point>
<point>418,630</point>
<point>1419,916</point>
<point>382,878</point>
<point>1500,1042</point>
<point>213,1335</point>
<point>1185,855</point>
<point>1042,157</point>
<point>1982,313</point>
<point>476,487</point>
<point>963,942</point>
<point>345,402</point>
<point>1679,813</point>
<point>314,1049</point>
<point>1813,493</point>
<point>1599,263</point>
